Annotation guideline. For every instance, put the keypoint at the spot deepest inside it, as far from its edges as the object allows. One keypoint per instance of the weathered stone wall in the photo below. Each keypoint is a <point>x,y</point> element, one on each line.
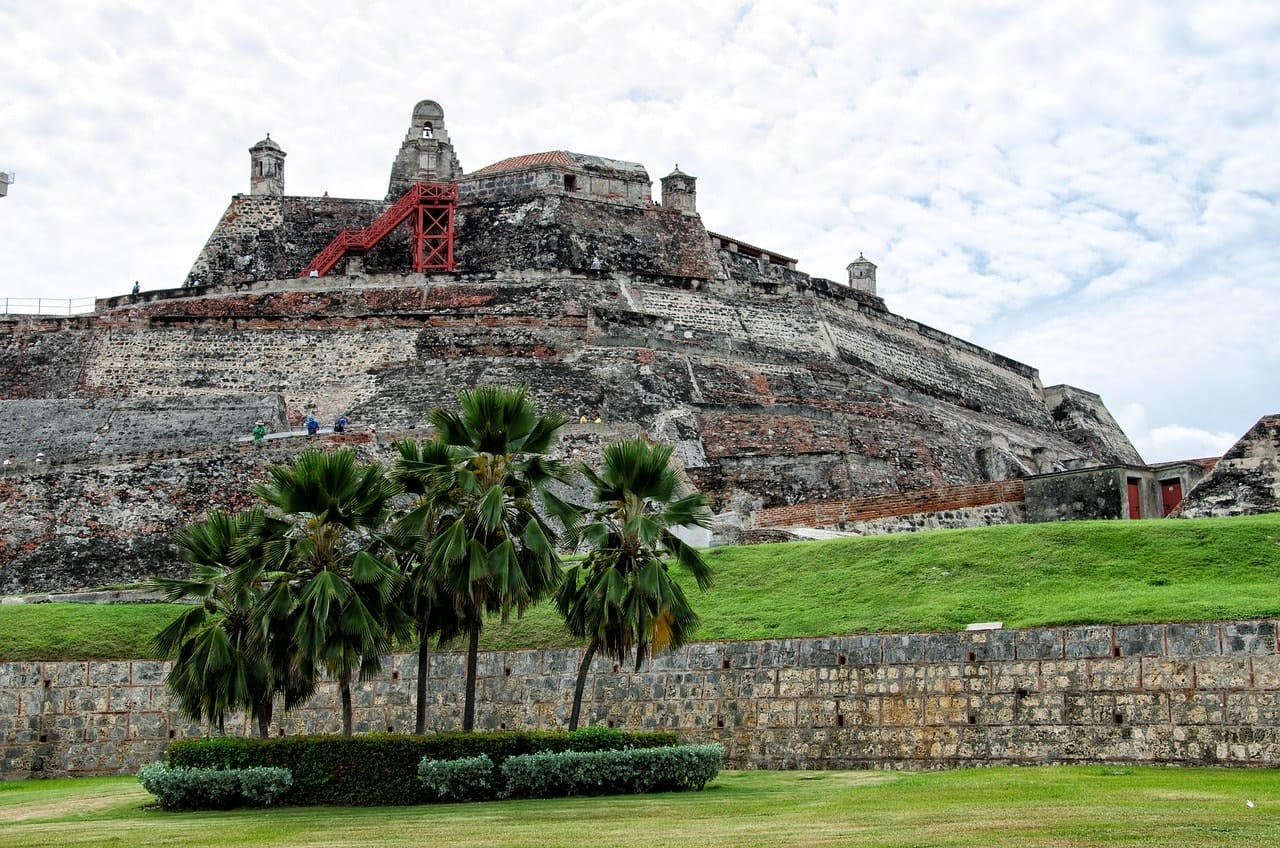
<point>845,513</point>
<point>43,357</point>
<point>137,426</point>
<point>773,394</point>
<point>1246,481</point>
<point>1189,694</point>
<point>1084,419</point>
<point>100,523</point>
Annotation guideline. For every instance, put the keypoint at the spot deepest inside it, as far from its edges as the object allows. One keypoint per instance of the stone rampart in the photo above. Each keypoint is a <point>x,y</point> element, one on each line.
<point>1186,694</point>
<point>138,426</point>
<point>843,513</point>
<point>1246,481</point>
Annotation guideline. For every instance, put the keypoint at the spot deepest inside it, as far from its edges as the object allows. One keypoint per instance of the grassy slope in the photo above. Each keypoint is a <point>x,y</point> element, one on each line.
<point>1024,575</point>
<point>1050,806</point>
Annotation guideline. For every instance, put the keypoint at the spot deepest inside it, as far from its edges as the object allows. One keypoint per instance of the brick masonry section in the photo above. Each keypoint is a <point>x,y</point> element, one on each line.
<point>840,512</point>
<point>1188,694</point>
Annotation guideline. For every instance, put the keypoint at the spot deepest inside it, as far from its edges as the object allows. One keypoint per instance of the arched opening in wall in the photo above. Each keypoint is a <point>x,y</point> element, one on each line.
<point>427,130</point>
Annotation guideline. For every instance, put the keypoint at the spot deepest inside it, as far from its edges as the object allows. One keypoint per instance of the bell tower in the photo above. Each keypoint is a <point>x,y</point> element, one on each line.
<point>426,154</point>
<point>266,168</point>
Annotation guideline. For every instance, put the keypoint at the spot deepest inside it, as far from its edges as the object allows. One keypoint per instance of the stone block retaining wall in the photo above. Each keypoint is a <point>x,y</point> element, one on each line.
<point>1192,694</point>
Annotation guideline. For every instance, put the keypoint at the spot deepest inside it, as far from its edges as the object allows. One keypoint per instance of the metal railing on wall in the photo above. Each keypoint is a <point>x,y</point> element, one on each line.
<point>45,305</point>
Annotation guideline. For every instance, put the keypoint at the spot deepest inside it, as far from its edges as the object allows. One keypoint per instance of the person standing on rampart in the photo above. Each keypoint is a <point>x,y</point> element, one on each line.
<point>313,426</point>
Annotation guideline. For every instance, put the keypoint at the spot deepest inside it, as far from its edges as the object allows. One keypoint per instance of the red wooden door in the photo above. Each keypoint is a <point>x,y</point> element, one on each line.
<point>1135,502</point>
<point>1170,495</point>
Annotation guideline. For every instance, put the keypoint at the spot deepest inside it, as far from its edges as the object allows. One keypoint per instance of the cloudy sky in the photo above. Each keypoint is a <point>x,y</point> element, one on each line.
<point>1092,188</point>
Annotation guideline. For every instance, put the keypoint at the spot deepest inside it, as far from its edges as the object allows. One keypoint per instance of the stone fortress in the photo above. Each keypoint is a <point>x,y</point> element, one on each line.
<point>792,400</point>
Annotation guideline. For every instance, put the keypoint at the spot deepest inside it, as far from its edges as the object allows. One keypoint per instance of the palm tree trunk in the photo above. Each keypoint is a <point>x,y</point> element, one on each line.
<point>344,681</point>
<point>469,707</point>
<point>583,668</point>
<point>424,657</point>
<point>265,709</point>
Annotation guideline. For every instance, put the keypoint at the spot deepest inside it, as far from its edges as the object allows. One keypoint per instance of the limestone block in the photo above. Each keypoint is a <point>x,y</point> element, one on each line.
<point>1065,675</point>
<point>1015,675</point>
<point>1108,674</point>
<point>784,652</point>
<point>905,648</point>
<point>1140,640</point>
<point>1038,708</point>
<point>862,650</point>
<point>987,645</point>
<point>797,682</point>
<point>1223,673</point>
<point>1039,644</point>
<point>1249,637</point>
<point>148,672</point>
<point>128,698</point>
<point>1168,674</point>
<point>1089,642</point>
<point>1193,639</point>
<point>67,674</point>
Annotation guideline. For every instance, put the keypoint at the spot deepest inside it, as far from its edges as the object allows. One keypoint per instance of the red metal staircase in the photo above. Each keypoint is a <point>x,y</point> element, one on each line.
<point>431,207</point>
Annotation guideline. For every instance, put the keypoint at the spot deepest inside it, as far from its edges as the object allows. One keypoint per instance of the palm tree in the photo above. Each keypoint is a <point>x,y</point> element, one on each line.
<point>492,552</point>
<point>327,589</point>
<point>622,596</point>
<point>223,661</point>
<point>423,597</point>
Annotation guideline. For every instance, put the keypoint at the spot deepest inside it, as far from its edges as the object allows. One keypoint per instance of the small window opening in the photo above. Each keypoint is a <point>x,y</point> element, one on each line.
<point>1021,693</point>
<point>173,733</point>
<point>839,720</point>
<point>570,182</point>
<point>971,657</point>
<point>44,737</point>
<point>973,719</point>
<point>502,726</point>
<point>390,729</point>
<point>48,683</point>
<point>1118,718</point>
<point>615,668</point>
<point>395,675</point>
<point>719,721</point>
<point>1115,650</point>
<point>427,132</point>
<point>507,672</point>
<point>725,663</point>
<point>842,660</point>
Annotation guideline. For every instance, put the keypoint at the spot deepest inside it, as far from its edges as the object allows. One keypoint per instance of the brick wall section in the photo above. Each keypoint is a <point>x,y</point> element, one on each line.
<point>1187,694</point>
<point>837,512</point>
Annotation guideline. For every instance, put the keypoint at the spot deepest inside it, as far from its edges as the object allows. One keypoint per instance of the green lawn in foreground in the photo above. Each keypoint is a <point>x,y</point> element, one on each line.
<point>1028,575</point>
<point>1022,807</point>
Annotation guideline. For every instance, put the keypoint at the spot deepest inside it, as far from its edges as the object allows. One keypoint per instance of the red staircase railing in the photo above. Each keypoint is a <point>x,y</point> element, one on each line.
<point>431,206</point>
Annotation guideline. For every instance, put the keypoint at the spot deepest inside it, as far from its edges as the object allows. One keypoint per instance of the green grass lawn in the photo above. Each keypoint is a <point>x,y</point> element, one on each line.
<point>1029,575</point>
<point>1023,807</point>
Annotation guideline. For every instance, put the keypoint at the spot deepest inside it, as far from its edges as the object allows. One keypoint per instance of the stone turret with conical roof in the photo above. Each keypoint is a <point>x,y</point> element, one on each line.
<point>266,168</point>
<point>862,274</point>
<point>680,191</point>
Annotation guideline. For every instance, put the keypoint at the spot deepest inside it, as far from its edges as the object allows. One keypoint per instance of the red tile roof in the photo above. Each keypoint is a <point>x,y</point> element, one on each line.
<point>529,160</point>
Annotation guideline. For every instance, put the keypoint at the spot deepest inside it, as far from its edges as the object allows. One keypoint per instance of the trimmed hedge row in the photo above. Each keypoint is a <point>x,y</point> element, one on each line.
<point>382,769</point>
<point>214,789</point>
<point>560,774</point>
